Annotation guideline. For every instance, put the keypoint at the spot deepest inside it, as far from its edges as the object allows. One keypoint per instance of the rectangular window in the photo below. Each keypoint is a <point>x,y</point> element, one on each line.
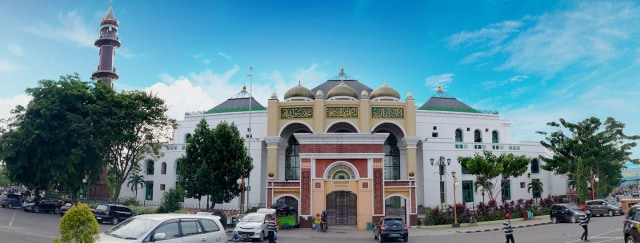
<point>391,167</point>
<point>435,127</point>
<point>434,134</point>
<point>522,185</point>
<point>536,193</point>
<point>467,191</point>
<point>149,191</point>
<point>292,168</point>
<point>506,190</point>
<point>161,187</point>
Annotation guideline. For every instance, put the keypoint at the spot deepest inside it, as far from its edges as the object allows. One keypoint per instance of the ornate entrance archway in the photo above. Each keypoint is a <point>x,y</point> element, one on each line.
<point>342,208</point>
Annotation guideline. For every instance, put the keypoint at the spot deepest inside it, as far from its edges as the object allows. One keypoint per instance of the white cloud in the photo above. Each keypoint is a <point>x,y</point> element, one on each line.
<point>207,61</point>
<point>71,28</point>
<point>16,50</point>
<point>222,54</point>
<point>439,80</point>
<point>492,35</point>
<point>6,105</point>
<point>486,85</point>
<point>7,66</point>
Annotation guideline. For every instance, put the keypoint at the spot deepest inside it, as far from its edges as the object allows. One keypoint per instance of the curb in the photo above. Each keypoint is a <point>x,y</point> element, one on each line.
<point>500,228</point>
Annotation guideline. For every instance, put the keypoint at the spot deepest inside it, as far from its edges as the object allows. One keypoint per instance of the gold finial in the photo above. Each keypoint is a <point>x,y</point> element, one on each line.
<point>244,88</point>
<point>341,70</point>
<point>299,84</point>
<point>440,89</point>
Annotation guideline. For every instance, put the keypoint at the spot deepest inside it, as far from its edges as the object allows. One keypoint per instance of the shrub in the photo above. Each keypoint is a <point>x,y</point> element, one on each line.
<point>129,201</point>
<point>78,225</point>
<point>171,200</point>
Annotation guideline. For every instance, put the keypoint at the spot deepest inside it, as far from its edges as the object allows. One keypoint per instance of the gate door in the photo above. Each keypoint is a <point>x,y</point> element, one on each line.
<point>342,208</point>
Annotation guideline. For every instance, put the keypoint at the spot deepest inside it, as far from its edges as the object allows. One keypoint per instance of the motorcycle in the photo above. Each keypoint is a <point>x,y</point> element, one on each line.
<point>323,226</point>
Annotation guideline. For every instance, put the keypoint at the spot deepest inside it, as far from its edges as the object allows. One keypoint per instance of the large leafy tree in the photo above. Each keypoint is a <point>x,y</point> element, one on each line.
<point>215,159</point>
<point>601,148</point>
<point>491,169</point>
<point>135,125</point>
<point>51,140</point>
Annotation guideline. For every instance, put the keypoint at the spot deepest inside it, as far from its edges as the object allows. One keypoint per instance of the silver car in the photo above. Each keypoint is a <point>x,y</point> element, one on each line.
<point>184,228</point>
<point>252,226</point>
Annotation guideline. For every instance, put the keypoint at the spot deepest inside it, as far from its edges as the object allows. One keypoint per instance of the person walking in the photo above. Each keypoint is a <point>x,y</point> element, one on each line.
<point>584,222</point>
<point>271,228</point>
<point>508,230</point>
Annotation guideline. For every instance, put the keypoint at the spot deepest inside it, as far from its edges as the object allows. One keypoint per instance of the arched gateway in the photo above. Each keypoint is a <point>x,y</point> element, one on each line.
<point>342,208</point>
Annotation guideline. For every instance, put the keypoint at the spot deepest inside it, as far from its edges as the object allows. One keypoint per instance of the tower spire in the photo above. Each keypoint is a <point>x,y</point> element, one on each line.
<point>108,43</point>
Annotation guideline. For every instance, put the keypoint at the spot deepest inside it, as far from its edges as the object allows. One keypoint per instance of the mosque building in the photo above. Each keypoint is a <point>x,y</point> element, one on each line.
<point>357,152</point>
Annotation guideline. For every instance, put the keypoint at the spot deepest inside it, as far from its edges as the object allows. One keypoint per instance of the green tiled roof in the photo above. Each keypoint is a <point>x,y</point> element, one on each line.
<point>440,101</point>
<point>237,103</point>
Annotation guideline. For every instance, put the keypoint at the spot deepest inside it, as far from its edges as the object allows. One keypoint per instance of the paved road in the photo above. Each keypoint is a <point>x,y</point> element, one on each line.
<point>17,226</point>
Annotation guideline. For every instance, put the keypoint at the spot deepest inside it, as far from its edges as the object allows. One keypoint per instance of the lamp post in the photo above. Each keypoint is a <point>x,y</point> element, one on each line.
<point>441,166</point>
<point>241,183</point>
<point>595,178</point>
<point>455,212</point>
<point>84,189</point>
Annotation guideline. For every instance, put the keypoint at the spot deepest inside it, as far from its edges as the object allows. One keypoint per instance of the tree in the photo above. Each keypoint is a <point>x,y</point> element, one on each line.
<point>135,125</point>
<point>78,225</point>
<point>171,200</point>
<point>491,170</point>
<point>136,180</point>
<point>213,162</point>
<point>51,140</point>
<point>602,148</point>
<point>535,187</point>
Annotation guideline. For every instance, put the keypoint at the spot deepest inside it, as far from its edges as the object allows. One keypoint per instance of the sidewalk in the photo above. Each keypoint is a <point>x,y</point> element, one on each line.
<point>306,233</point>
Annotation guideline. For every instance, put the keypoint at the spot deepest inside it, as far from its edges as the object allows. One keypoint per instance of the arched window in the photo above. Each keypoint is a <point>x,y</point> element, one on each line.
<point>341,175</point>
<point>391,158</point>
<point>163,169</point>
<point>494,137</point>
<point>477,136</point>
<point>292,160</point>
<point>535,166</point>
<point>458,135</point>
<point>187,137</point>
<point>150,168</point>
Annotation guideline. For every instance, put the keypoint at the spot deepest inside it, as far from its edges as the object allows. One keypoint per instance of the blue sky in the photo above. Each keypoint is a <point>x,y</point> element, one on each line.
<point>532,61</point>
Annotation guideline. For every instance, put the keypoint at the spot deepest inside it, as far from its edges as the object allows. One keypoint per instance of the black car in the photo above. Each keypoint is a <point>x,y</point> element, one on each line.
<point>46,205</point>
<point>630,225</point>
<point>390,228</point>
<point>113,213</point>
<point>10,200</point>
<point>65,207</point>
<point>565,213</point>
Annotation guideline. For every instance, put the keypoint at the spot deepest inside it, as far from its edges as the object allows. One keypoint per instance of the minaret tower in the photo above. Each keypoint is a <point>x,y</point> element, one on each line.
<point>108,42</point>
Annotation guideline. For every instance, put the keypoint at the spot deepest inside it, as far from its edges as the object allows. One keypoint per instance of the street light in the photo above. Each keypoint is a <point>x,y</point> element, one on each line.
<point>455,212</point>
<point>241,183</point>
<point>84,189</point>
<point>595,178</point>
<point>441,165</point>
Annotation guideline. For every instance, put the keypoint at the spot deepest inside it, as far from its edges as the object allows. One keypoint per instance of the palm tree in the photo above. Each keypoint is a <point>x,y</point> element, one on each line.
<point>535,187</point>
<point>135,181</point>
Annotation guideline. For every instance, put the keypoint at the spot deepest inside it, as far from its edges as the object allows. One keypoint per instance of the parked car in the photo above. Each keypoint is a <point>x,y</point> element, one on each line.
<point>10,200</point>
<point>65,207</point>
<point>390,228</point>
<point>185,228</point>
<point>113,213</point>
<point>252,226</point>
<point>218,213</point>
<point>635,194</point>
<point>600,207</point>
<point>631,224</point>
<point>47,205</point>
<point>565,213</point>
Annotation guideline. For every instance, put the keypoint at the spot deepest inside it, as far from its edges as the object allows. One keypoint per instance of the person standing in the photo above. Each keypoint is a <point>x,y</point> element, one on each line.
<point>508,230</point>
<point>271,228</point>
<point>584,222</point>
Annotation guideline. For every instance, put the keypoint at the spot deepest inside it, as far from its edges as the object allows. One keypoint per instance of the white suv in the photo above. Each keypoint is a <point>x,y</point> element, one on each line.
<point>185,228</point>
<point>252,226</point>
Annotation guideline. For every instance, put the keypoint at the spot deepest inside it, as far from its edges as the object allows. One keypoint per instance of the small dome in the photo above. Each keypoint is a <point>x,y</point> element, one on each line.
<point>274,95</point>
<point>364,94</point>
<point>385,91</point>
<point>319,94</point>
<point>299,91</point>
<point>342,90</point>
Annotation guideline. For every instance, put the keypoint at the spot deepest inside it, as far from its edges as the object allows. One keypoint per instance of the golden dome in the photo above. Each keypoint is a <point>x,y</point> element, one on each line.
<point>299,91</point>
<point>342,90</point>
<point>384,91</point>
